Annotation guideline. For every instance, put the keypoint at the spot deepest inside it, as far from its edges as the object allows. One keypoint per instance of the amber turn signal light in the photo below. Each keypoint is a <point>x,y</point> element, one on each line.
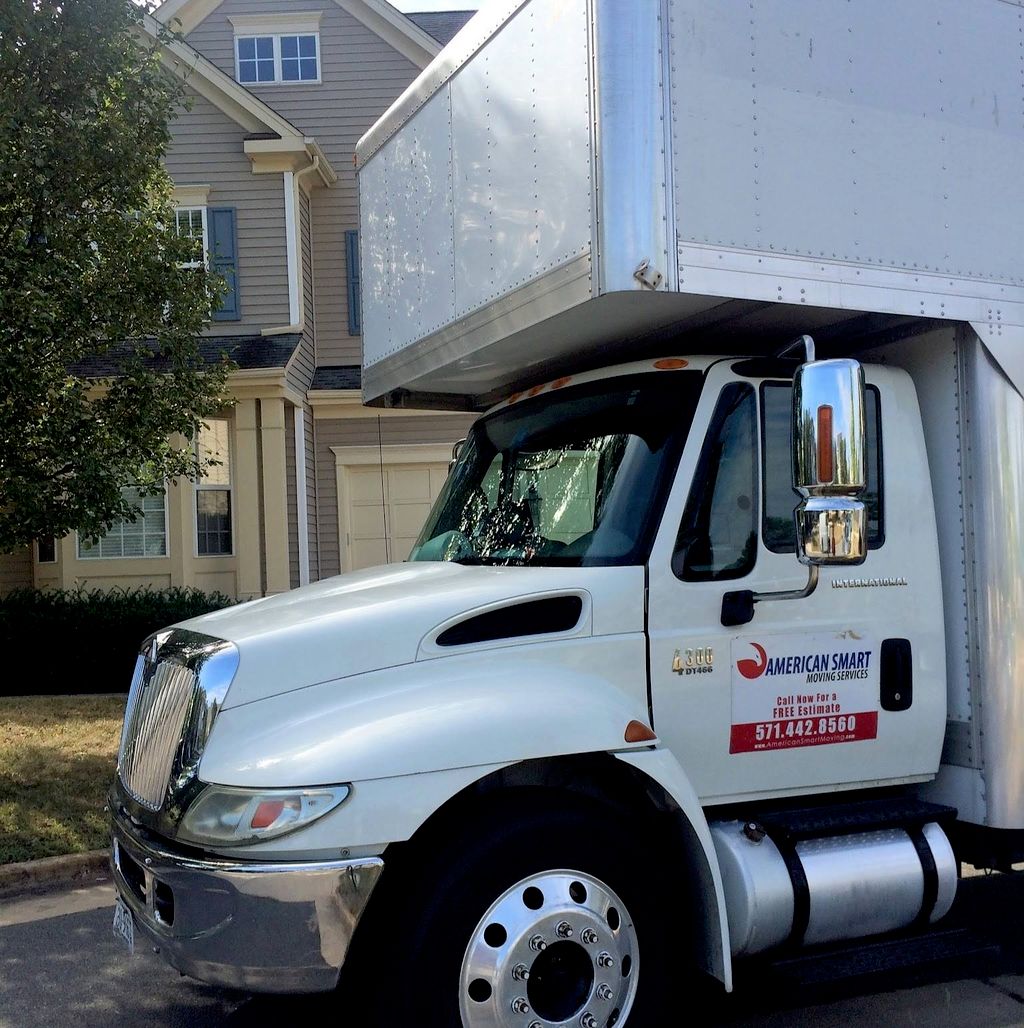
<point>637,731</point>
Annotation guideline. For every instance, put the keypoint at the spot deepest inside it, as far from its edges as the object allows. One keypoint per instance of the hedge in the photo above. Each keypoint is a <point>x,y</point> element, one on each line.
<point>79,641</point>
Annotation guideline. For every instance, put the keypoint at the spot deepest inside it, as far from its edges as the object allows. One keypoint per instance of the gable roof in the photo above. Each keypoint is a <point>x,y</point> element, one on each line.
<point>267,130</point>
<point>379,16</point>
<point>442,25</point>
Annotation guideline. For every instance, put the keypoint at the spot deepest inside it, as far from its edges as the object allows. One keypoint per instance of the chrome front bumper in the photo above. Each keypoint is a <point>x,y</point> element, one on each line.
<point>261,927</point>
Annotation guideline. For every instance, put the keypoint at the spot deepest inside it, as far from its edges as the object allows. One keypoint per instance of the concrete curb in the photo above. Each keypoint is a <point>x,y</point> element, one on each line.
<point>53,872</point>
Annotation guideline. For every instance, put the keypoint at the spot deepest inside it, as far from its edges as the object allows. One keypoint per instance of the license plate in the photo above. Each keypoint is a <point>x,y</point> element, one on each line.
<point>124,924</point>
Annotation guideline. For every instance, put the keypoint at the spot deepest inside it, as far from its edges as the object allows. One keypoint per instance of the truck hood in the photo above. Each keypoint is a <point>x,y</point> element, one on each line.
<point>387,616</point>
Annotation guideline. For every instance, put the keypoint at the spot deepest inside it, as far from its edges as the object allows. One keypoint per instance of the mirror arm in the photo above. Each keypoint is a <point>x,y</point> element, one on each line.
<point>806,342</point>
<point>738,607</point>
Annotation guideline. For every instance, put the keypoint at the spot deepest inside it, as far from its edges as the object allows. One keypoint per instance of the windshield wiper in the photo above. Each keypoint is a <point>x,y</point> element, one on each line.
<point>491,561</point>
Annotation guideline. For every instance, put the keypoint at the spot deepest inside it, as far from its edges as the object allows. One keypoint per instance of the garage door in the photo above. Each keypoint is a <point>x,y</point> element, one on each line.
<point>385,508</point>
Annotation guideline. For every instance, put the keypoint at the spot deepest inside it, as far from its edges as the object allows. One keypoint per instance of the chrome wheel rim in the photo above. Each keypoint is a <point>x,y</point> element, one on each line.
<point>556,950</point>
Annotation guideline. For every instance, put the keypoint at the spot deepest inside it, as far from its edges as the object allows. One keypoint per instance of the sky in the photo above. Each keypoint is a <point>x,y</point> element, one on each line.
<point>438,5</point>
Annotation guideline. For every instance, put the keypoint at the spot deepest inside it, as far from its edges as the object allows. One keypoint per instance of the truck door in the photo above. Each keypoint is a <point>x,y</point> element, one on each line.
<point>789,702</point>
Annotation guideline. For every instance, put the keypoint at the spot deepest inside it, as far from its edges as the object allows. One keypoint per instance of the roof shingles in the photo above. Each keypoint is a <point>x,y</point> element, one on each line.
<point>442,25</point>
<point>249,352</point>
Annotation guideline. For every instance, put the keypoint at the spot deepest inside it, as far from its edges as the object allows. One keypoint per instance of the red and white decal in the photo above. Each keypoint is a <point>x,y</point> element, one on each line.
<point>790,691</point>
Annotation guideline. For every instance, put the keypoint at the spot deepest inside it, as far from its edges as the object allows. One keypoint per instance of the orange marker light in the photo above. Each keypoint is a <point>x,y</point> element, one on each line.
<point>670,364</point>
<point>637,731</point>
<point>559,382</point>
<point>825,472</point>
<point>535,390</point>
<point>267,813</point>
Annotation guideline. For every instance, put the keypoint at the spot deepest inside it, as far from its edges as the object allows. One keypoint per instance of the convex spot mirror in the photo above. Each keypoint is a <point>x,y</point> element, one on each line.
<point>829,468</point>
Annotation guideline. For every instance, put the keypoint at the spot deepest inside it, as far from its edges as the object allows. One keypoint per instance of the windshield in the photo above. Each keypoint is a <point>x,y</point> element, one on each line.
<point>573,478</point>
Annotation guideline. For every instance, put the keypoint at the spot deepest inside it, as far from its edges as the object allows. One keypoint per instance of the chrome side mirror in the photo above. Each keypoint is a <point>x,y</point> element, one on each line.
<point>829,467</point>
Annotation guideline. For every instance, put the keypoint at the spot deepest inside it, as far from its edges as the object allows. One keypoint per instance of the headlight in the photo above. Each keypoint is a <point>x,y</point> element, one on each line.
<point>226,816</point>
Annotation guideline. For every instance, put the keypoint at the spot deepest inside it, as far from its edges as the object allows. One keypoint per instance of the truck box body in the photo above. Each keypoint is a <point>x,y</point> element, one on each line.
<point>761,161</point>
<point>974,428</point>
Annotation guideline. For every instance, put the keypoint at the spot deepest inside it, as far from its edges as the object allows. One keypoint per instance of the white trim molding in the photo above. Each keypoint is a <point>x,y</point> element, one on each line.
<point>292,249</point>
<point>392,453</point>
<point>280,23</point>
<point>191,196</point>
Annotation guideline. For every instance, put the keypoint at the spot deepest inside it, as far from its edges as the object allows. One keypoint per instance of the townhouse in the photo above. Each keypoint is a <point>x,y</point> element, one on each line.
<point>310,482</point>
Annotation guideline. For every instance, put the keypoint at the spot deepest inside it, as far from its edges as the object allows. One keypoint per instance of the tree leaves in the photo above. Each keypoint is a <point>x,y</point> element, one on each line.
<point>91,267</point>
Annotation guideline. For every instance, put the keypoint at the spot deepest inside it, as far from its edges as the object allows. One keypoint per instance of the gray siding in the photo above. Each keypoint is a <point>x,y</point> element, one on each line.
<point>300,370</point>
<point>364,432</point>
<point>361,76</point>
<point>206,149</point>
<point>15,570</point>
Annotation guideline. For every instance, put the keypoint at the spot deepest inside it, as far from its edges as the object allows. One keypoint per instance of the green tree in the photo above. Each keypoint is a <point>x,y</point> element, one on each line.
<point>92,267</point>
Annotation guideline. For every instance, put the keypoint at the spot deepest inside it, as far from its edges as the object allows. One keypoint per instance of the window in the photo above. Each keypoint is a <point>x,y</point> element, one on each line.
<point>578,479</point>
<point>213,229</point>
<point>46,551</point>
<point>144,537</point>
<point>718,535</point>
<point>191,223</point>
<point>779,499</point>
<point>213,491</point>
<point>290,57</point>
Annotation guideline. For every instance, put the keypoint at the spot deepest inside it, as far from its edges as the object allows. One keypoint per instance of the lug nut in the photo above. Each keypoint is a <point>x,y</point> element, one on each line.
<point>605,992</point>
<point>537,943</point>
<point>520,1006</point>
<point>564,930</point>
<point>521,973</point>
<point>588,936</point>
<point>588,1020</point>
<point>605,959</point>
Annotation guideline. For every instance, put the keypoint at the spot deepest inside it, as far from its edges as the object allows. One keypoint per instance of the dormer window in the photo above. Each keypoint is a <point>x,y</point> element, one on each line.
<point>273,49</point>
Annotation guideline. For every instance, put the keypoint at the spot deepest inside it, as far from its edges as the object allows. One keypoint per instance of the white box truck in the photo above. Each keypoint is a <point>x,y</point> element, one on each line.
<point>711,646</point>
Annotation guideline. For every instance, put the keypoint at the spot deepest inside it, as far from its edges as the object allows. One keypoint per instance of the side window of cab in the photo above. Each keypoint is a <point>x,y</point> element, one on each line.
<point>718,535</point>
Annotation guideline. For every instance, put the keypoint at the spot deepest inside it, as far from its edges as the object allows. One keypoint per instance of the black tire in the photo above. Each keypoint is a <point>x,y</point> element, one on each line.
<point>406,965</point>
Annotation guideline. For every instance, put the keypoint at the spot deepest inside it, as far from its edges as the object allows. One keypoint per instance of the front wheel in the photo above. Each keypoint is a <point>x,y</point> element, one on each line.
<point>543,913</point>
<point>558,947</point>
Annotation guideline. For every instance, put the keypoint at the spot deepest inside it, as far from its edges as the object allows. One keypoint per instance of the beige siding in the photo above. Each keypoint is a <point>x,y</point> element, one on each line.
<point>15,570</point>
<point>207,150</point>
<point>293,507</point>
<point>311,494</point>
<point>361,76</point>
<point>364,432</point>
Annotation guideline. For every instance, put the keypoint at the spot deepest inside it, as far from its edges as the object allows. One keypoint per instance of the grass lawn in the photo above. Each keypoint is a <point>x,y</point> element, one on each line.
<point>57,760</point>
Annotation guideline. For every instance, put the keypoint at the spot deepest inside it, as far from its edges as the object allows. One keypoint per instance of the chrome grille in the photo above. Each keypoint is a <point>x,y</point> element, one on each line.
<point>154,721</point>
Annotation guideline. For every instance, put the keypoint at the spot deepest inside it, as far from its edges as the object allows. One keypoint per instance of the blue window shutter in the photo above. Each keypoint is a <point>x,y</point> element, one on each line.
<point>223,247</point>
<point>355,326</point>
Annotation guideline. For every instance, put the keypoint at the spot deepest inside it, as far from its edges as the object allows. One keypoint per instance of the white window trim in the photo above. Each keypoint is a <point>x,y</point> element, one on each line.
<point>166,555</point>
<point>56,551</point>
<point>198,486</point>
<point>206,233</point>
<point>276,37</point>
